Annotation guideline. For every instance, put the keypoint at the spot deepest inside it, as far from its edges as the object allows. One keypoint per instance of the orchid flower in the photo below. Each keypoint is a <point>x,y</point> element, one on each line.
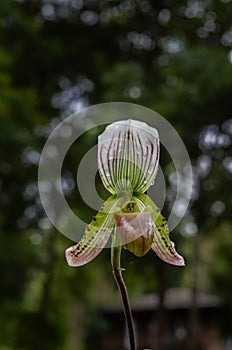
<point>128,159</point>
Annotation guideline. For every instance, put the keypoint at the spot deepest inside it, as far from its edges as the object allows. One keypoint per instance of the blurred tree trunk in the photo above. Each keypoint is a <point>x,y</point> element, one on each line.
<point>193,319</point>
<point>51,261</point>
<point>161,319</point>
<point>76,340</point>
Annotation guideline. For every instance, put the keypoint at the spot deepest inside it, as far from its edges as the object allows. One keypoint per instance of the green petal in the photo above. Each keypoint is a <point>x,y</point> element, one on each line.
<point>96,235</point>
<point>162,245</point>
<point>128,156</point>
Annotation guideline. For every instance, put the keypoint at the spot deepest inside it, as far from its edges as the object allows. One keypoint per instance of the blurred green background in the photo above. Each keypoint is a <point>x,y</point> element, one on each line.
<point>58,56</point>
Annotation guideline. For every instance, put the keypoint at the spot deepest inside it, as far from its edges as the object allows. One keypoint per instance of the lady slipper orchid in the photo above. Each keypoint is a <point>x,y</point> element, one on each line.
<point>128,158</point>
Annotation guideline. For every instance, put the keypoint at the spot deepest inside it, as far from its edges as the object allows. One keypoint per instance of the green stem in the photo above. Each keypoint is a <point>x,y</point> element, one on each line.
<point>117,272</point>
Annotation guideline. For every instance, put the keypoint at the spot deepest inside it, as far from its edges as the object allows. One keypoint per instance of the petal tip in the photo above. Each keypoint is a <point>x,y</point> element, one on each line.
<point>180,261</point>
<point>70,256</point>
<point>176,259</point>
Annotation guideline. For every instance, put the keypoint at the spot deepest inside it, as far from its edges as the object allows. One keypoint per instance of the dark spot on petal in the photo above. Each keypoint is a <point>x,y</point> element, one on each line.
<point>152,148</point>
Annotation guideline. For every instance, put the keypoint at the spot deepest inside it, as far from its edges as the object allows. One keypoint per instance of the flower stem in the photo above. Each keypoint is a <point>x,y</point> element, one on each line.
<point>117,272</point>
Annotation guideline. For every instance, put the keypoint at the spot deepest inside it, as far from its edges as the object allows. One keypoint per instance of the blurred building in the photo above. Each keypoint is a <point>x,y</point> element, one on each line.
<point>174,320</point>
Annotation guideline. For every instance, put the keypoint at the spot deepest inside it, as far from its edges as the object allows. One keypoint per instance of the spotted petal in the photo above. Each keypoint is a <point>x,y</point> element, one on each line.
<point>162,245</point>
<point>96,235</point>
<point>128,156</point>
